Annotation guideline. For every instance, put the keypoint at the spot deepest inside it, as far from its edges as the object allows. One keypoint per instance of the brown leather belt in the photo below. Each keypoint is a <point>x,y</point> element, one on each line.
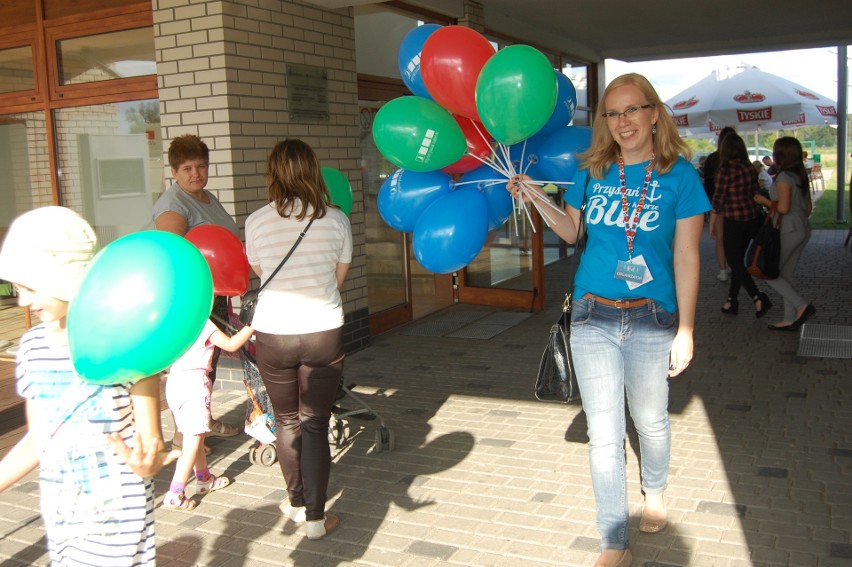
<point>618,303</point>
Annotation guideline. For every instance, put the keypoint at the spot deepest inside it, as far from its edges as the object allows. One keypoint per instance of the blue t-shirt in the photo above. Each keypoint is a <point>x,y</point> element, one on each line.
<point>676,195</point>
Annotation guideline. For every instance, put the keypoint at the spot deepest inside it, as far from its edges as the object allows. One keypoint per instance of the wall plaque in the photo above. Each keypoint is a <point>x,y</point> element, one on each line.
<point>308,89</point>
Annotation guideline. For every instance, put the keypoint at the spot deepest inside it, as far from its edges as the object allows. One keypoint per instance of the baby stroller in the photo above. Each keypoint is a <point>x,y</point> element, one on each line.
<point>260,422</point>
<point>339,432</point>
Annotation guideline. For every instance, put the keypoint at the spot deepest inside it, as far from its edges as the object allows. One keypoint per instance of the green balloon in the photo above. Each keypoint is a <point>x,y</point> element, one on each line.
<point>415,133</point>
<point>339,188</point>
<point>516,93</point>
<point>141,305</point>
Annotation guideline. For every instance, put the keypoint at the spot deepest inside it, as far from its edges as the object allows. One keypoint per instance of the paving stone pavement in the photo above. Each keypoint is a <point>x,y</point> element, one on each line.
<point>481,474</point>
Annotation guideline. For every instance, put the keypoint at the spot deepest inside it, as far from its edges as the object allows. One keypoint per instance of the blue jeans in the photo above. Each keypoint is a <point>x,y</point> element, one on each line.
<point>616,350</point>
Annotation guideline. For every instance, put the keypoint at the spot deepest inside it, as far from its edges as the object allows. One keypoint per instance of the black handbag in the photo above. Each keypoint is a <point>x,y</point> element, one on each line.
<point>764,254</point>
<point>556,381</point>
<point>248,302</point>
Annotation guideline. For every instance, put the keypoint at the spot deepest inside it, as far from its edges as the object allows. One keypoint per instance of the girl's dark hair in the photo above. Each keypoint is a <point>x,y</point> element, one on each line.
<point>733,147</point>
<point>294,177</point>
<point>788,156</point>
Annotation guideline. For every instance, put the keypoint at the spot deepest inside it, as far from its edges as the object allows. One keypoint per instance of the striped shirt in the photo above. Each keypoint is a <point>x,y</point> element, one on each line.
<point>96,510</point>
<point>302,297</point>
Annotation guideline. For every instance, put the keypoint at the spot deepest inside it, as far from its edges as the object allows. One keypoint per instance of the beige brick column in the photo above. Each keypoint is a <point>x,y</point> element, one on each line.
<point>222,74</point>
<point>474,16</point>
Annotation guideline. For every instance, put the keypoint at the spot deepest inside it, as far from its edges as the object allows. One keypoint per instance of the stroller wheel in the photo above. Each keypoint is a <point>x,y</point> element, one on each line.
<point>252,455</point>
<point>384,439</point>
<point>268,455</point>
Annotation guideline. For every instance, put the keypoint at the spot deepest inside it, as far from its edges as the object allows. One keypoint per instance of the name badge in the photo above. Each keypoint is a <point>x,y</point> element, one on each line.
<point>630,272</point>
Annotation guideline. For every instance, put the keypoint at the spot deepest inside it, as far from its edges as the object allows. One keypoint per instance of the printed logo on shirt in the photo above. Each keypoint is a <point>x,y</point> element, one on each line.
<point>604,206</point>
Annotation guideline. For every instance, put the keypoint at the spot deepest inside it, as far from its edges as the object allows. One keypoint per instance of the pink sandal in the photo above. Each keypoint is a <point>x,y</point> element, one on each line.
<point>212,484</point>
<point>178,501</point>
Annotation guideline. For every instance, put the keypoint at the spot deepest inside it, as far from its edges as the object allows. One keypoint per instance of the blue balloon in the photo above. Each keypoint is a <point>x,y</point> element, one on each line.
<point>566,103</point>
<point>499,199</point>
<point>558,154</point>
<point>451,231</point>
<point>500,205</point>
<point>529,150</point>
<point>408,58</point>
<point>406,194</point>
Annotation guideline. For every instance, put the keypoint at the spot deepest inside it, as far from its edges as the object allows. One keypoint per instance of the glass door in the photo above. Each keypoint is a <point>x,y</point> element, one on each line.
<point>398,288</point>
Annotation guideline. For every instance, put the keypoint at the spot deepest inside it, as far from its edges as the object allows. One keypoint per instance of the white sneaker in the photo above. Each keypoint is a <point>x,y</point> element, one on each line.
<point>293,513</point>
<point>722,276</point>
<point>317,529</point>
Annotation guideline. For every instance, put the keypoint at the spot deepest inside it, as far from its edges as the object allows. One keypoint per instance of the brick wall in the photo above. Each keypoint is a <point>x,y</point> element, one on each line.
<point>222,74</point>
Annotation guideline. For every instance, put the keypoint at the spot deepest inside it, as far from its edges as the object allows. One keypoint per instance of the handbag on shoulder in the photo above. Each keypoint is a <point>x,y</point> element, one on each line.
<point>763,257</point>
<point>248,302</point>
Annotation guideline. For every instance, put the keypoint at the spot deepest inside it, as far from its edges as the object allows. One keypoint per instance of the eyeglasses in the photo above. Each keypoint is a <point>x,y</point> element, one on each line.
<point>629,112</point>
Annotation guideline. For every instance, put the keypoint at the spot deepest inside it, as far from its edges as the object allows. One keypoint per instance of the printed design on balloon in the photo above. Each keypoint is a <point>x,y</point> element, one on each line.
<point>483,117</point>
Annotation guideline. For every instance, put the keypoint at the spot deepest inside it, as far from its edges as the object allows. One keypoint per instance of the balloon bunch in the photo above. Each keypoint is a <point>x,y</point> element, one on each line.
<point>483,114</point>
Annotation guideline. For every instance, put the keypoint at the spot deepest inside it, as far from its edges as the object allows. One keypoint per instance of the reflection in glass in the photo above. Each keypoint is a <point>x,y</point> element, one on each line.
<point>25,178</point>
<point>386,278</point>
<point>111,164</point>
<point>106,56</point>
<point>16,69</point>
<point>506,260</point>
<point>579,75</point>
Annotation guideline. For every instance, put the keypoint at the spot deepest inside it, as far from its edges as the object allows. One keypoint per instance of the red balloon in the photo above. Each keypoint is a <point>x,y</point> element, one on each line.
<point>478,143</point>
<point>450,62</point>
<point>226,257</point>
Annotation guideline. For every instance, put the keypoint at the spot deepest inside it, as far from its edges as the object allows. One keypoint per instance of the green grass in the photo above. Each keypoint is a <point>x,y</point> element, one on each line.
<point>825,211</point>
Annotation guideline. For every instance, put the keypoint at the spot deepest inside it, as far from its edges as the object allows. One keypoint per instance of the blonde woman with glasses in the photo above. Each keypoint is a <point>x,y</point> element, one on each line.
<point>634,295</point>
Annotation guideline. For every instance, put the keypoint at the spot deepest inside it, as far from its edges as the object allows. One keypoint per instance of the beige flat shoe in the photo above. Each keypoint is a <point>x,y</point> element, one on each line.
<point>614,558</point>
<point>651,525</point>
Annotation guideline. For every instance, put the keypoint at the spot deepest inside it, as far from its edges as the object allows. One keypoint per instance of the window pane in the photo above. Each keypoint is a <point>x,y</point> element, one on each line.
<point>106,56</point>
<point>16,69</point>
<point>25,181</point>
<point>111,164</point>
<point>579,76</point>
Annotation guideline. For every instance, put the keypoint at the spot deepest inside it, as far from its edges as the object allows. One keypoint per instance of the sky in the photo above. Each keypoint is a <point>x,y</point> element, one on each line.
<point>814,69</point>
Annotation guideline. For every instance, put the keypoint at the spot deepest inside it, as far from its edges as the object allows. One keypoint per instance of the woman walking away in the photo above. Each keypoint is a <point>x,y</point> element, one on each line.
<point>634,295</point>
<point>791,199</point>
<point>299,321</point>
<point>736,187</point>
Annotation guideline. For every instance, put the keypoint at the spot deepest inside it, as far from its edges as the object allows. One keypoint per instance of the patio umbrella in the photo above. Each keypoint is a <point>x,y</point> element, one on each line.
<point>752,100</point>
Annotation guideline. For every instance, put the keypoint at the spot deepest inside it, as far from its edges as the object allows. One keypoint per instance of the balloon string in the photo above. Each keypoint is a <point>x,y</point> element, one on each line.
<point>492,164</point>
<point>534,198</point>
<point>546,182</point>
<point>485,181</point>
<point>544,199</point>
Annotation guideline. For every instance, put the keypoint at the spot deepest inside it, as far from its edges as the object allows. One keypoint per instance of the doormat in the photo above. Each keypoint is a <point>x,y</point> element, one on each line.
<point>827,341</point>
<point>482,325</point>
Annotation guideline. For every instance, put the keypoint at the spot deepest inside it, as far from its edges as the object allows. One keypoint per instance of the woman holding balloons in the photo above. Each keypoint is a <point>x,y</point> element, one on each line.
<point>298,321</point>
<point>634,297</point>
<point>97,496</point>
<point>184,206</point>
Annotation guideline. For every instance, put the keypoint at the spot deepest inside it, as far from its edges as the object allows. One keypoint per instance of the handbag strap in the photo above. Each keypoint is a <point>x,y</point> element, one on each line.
<point>287,257</point>
<point>579,248</point>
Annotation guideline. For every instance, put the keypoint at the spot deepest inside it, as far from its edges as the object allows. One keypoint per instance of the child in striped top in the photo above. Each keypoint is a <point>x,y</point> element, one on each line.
<point>97,446</point>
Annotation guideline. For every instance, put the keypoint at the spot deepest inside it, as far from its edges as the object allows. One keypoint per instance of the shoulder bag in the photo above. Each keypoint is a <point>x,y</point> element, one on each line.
<point>763,257</point>
<point>556,381</point>
<point>248,302</point>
